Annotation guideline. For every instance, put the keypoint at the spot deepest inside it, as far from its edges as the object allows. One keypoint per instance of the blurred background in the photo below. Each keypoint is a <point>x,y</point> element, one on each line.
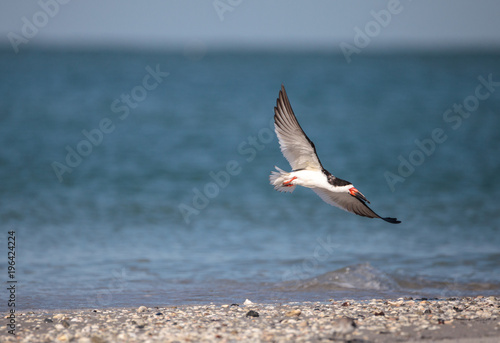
<point>137,141</point>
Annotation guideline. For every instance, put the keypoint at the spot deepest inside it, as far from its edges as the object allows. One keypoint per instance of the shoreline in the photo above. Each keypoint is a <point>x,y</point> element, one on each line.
<point>468,319</point>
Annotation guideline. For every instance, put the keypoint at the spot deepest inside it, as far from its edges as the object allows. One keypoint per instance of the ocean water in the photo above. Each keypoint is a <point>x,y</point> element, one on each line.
<point>141,178</point>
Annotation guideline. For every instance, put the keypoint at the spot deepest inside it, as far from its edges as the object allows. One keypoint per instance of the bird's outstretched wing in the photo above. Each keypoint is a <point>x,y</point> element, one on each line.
<point>350,203</point>
<point>297,148</point>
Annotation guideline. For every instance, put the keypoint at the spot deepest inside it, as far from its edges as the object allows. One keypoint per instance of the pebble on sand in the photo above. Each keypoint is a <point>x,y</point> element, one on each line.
<point>293,313</point>
<point>142,309</point>
<point>343,326</point>
<point>252,313</point>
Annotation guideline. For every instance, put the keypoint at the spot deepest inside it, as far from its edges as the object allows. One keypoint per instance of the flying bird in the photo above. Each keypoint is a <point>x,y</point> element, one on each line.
<point>307,170</point>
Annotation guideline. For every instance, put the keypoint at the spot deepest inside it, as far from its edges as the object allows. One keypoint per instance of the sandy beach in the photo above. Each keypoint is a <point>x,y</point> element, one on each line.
<point>379,320</point>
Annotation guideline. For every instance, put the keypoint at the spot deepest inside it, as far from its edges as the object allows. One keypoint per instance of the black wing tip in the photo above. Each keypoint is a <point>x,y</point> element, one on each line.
<point>391,220</point>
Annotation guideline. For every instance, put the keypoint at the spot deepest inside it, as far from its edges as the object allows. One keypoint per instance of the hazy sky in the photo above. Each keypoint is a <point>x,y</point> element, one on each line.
<point>292,23</point>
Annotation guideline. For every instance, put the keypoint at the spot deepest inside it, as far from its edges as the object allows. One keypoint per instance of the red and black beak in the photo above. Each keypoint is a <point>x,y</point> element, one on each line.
<point>357,194</point>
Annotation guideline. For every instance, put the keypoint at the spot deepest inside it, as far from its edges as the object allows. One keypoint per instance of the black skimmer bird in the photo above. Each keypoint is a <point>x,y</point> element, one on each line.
<point>307,170</point>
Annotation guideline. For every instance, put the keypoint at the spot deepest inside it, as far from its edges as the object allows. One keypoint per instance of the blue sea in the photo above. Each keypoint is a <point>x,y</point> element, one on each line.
<point>141,177</point>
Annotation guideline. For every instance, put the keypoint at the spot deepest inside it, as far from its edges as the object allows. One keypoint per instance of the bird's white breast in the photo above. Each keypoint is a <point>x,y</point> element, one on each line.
<point>316,179</point>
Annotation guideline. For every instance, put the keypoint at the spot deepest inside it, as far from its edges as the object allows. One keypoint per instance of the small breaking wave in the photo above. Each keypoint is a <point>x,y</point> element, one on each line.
<point>363,280</point>
<point>356,277</point>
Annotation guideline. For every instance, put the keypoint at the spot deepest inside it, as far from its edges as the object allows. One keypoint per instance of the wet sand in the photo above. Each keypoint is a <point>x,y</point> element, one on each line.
<point>379,320</point>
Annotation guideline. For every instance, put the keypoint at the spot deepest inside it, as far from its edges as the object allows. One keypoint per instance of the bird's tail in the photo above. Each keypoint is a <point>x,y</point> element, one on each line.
<point>277,178</point>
